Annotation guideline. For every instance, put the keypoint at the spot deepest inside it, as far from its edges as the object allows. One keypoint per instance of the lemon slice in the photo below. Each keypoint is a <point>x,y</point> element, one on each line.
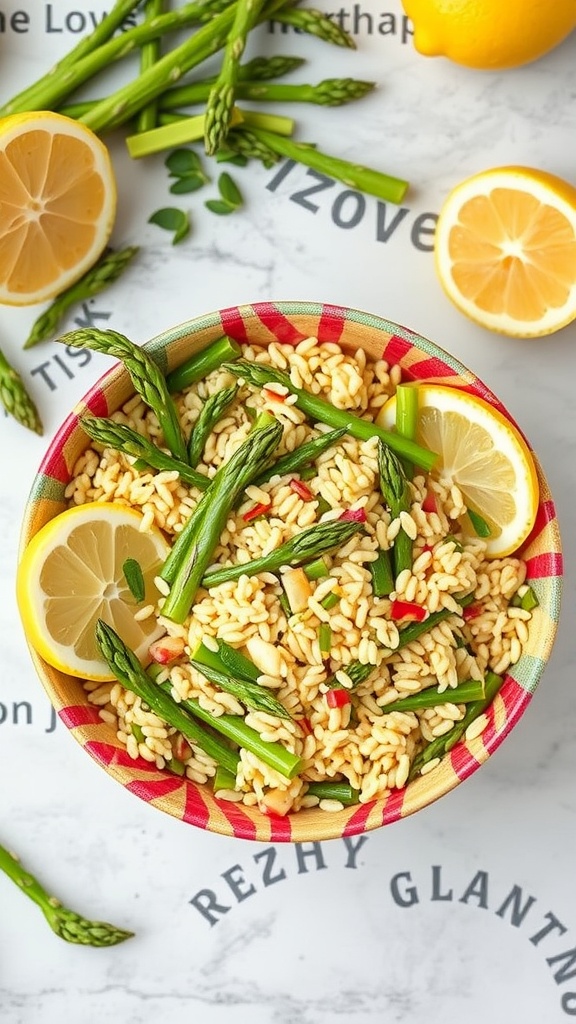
<point>58,201</point>
<point>484,454</point>
<point>505,250</point>
<point>71,574</point>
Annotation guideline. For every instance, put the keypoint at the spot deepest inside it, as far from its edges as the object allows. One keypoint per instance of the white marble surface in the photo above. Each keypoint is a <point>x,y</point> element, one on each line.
<point>414,923</point>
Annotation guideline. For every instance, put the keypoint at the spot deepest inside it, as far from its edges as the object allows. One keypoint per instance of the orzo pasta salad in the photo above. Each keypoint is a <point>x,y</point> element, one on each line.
<point>329,620</point>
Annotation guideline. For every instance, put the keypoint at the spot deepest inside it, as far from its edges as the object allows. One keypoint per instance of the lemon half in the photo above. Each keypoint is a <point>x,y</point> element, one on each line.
<point>484,454</point>
<point>72,573</point>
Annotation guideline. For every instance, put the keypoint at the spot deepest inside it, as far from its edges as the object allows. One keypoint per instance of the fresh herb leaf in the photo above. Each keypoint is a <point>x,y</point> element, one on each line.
<point>188,183</point>
<point>183,162</point>
<point>479,525</point>
<point>172,219</point>
<point>135,579</point>
<point>219,206</point>
<point>228,156</point>
<point>229,190</point>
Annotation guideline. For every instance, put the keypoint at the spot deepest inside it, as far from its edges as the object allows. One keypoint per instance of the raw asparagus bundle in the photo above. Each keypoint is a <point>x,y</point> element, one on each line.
<point>67,924</point>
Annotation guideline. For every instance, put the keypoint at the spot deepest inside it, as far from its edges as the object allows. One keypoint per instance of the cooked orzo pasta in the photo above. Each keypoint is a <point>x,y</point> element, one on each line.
<point>333,644</point>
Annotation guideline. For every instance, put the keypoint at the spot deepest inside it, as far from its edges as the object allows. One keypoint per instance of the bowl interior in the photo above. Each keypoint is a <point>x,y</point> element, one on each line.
<point>290,322</point>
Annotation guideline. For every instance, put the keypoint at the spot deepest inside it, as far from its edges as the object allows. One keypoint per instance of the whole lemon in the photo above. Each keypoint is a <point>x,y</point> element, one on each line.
<point>490,34</point>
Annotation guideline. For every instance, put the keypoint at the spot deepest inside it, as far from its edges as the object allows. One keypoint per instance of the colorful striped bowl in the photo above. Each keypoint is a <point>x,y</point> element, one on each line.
<point>419,358</point>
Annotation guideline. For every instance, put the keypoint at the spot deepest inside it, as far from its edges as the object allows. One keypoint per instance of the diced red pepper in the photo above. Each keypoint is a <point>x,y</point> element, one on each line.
<point>472,611</point>
<point>257,510</point>
<point>427,547</point>
<point>337,698</point>
<point>305,725</point>
<point>354,515</point>
<point>408,610</point>
<point>429,504</point>
<point>273,395</point>
<point>301,489</point>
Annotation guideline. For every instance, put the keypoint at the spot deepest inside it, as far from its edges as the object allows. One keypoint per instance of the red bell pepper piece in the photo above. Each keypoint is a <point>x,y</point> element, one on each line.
<point>257,510</point>
<point>356,515</point>
<point>429,504</point>
<point>408,610</point>
<point>338,697</point>
<point>472,611</point>
<point>301,489</point>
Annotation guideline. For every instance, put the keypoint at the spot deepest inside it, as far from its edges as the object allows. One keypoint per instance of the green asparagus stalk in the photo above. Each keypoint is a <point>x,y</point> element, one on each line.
<point>149,54</point>
<point>28,98</point>
<point>466,692</point>
<point>211,413</point>
<point>316,23</point>
<point>304,547</point>
<point>253,695</point>
<point>202,363</point>
<point>355,176</point>
<point>172,130</point>
<point>147,378</point>
<point>122,105</point>
<point>128,671</point>
<point>223,93</point>
<point>259,375</point>
<point>104,272</point>
<point>344,792</point>
<point>244,143</point>
<point>64,922</point>
<point>234,728</point>
<point>123,439</point>
<point>52,89</point>
<point>417,629</point>
<point>259,69</point>
<point>15,397</point>
<point>443,744</point>
<point>407,417</point>
<point>304,455</point>
<point>356,671</point>
<point>332,92</point>
<point>382,576</point>
<point>396,493</point>
<point>226,659</point>
<point>196,548</point>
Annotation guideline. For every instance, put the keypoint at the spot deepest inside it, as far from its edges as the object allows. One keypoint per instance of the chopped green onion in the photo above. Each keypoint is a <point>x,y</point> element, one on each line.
<point>325,638</point>
<point>526,600</point>
<point>330,601</point>
<point>331,790</point>
<point>317,569</point>
<point>224,779</point>
<point>323,506</point>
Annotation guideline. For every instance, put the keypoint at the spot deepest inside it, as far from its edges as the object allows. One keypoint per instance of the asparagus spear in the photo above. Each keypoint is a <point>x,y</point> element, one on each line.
<point>417,629</point>
<point>64,922</point>
<point>302,456</point>
<point>196,544</point>
<point>443,744</point>
<point>354,176</point>
<point>222,93</point>
<point>104,272</point>
<point>128,671</point>
<point>15,397</point>
<point>464,693</point>
<point>305,546</point>
<point>244,143</point>
<point>318,24</point>
<point>146,376</point>
<point>121,105</point>
<point>52,89</point>
<point>226,659</point>
<point>344,792</point>
<point>253,695</point>
<point>396,493</point>
<point>27,99</point>
<point>123,439</point>
<point>149,54</point>
<point>318,409</point>
<point>202,363</point>
<point>212,411</point>
<point>259,69</point>
<point>332,92</point>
